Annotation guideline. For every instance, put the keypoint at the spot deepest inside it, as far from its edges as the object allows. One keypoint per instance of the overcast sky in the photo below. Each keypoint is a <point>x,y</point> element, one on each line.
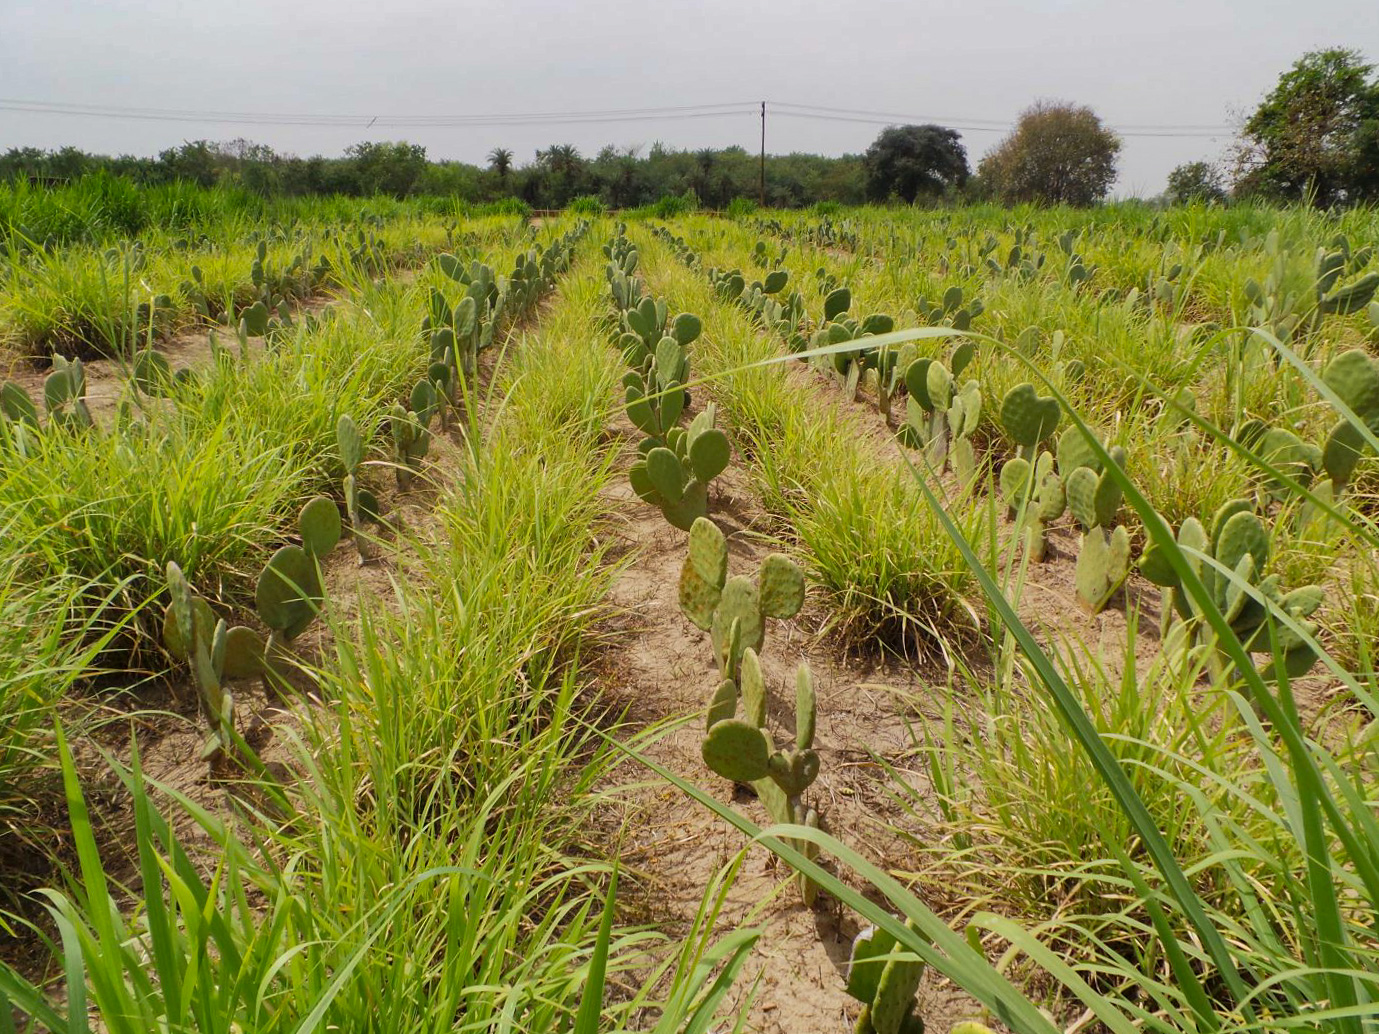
<point>960,62</point>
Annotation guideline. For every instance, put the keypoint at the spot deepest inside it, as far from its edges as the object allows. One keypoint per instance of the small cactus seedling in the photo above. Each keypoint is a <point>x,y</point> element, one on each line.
<point>192,633</point>
<point>410,431</point>
<point>950,310</point>
<point>676,476</point>
<point>885,979</point>
<point>361,505</point>
<point>940,416</point>
<point>64,395</point>
<point>734,610</point>
<point>1034,493</point>
<point>1093,497</point>
<point>289,593</point>
<point>743,750</point>
<point>1239,546</point>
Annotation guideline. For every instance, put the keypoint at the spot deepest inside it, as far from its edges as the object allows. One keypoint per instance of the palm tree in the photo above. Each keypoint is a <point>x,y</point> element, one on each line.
<point>500,161</point>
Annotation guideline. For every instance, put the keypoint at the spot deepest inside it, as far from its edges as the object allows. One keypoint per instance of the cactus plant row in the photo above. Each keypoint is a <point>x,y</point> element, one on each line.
<point>734,611</point>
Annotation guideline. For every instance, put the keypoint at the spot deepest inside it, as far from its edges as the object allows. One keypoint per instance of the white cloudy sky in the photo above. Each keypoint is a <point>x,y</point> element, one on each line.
<point>1170,63</point>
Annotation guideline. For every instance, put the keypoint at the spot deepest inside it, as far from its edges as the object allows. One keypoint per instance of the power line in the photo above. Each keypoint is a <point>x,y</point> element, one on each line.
<point>1000,123</point>
<point>669,113</point>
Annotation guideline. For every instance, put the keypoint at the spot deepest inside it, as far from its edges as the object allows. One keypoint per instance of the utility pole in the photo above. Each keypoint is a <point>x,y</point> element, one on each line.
<point>762,181</point>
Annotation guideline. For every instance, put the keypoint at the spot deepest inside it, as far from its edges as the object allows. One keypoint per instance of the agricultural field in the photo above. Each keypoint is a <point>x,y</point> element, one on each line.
<point>418,619</point>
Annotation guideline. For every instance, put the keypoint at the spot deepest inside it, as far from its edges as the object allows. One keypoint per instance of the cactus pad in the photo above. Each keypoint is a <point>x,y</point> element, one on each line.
<point>289,592</point>
<point>781,587</point>
<point>1028,417</point>
<point>736,750</point>
<point>319,526</point>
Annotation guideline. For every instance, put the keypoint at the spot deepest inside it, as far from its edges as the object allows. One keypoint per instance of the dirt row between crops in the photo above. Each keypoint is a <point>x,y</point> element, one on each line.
<point>661,669</point>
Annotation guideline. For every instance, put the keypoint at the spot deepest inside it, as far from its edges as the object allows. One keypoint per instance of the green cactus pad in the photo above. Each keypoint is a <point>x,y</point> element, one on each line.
<point>289,593</point>
<point>1102,565</point>
<point>1050,500</point>
<point>1354,377</point>
<point>244,653</point>
<point>1243,534</point>
<point>1015,481</point>
<point>709,453</point>
<point>1074,452</point>
<point>708,553</point>
<point>753,683</point>
<point>666,474</point>
<point>723,704</point>
<point>864,972</point>
<point>349,442</point>
<point>175,639</point>
<point>736,750</point>
<point>686,328</point>
<point>895,994</point>
<point>319,526</point>
<point>254,319</point>
<point>641,413</point>
<point>423,400</point>
<point>16,404</point>
<point>1028,417</point>
<point>1344,447</point>
<point>837,302</point>
<point>1080,486</point>
<point>806,707</point>
<point>775,282</point>
<point>794,772</point>
<point>641,483</point>
<point>369,507</point>
<point>698,597</point>
<point>740,602</point>
<point>692,504</point>
<point>782,587</point>
<point>917,382</point>
<point>962,356</point>
<point>939,386</point>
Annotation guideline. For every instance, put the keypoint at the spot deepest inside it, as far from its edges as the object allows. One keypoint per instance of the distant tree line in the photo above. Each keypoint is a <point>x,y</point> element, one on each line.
<point>620,178</point>
<point>1314,138</point>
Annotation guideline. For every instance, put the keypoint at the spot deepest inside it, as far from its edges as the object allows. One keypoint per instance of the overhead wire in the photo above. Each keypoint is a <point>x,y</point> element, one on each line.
<point>779,109</point>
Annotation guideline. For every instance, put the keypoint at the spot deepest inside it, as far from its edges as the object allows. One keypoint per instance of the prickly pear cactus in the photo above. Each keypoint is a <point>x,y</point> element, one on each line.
<point>1236,555</point>
<point>885,986</point>
<point>675,476</point>
<point>64,395</point>
<point>1035,496</point>
<point>192,633</point>
<point>742,750</point>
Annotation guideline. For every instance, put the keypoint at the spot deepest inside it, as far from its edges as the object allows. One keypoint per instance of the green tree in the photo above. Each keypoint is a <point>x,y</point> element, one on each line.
<point>1057,154</point>
<point>388,168</point>
<point>1195,181</point>
<point>1316,135</point>
<point>915,161</point>
<point>500,162</point>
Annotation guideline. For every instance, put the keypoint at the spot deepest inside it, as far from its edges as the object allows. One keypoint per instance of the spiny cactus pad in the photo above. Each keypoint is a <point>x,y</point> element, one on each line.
<point>736,750</point>
<point>1028,417</point>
